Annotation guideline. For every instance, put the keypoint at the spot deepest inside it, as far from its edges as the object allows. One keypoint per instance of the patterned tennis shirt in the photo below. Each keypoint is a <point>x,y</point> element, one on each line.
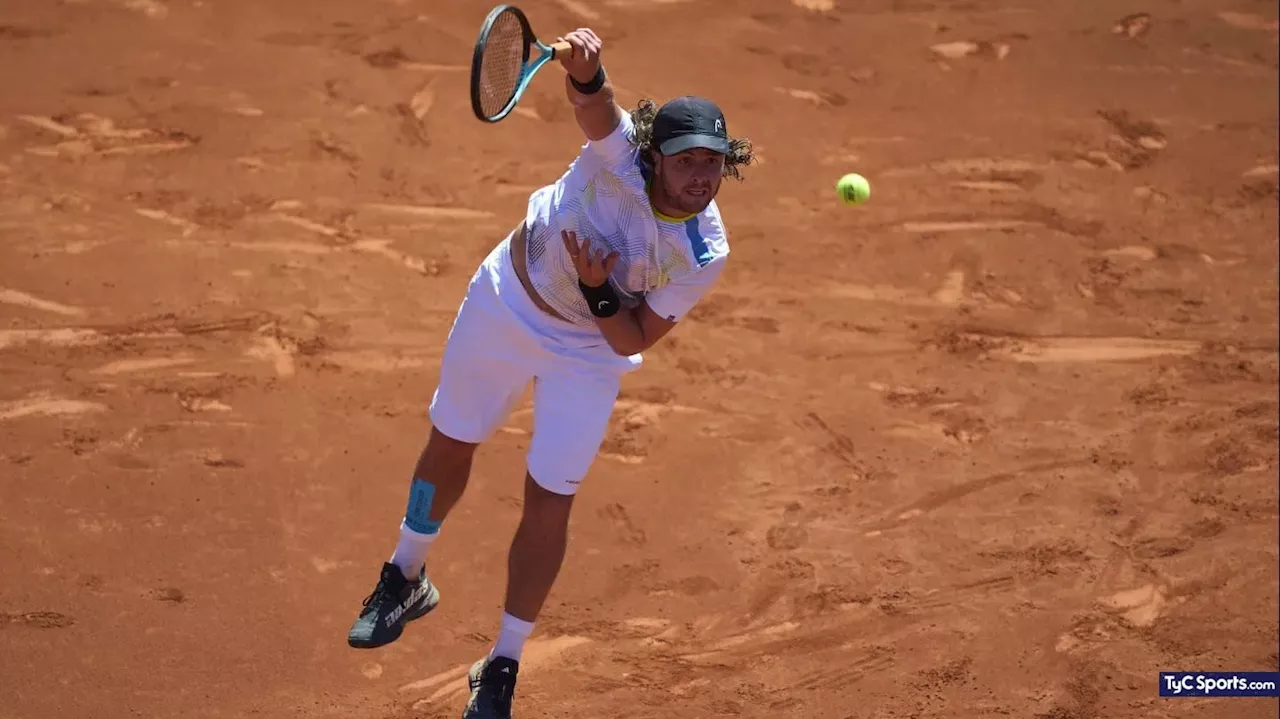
<point>669,262</point>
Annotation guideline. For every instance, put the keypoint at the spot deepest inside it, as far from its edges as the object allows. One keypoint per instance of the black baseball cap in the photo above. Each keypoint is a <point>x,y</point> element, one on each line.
<point>688,122</point>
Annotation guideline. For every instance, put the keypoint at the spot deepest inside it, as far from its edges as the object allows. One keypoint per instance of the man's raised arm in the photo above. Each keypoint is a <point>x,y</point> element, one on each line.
<point>588,86</point>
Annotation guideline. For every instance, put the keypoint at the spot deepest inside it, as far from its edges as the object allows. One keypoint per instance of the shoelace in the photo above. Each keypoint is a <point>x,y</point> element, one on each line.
<point>378,592</point>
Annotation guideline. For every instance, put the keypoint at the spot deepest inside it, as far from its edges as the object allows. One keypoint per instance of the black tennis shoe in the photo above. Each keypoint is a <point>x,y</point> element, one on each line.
<point>394,602</point>
<point>493,686</point>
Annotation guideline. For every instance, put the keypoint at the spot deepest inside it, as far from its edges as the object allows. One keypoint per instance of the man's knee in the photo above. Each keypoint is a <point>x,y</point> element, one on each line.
<point>443,449</point>
<point>544,507</point>
<point>444,445</point>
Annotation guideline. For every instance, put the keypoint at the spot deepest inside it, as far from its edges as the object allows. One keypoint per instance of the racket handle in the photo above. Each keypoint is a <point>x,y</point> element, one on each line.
<point>557,48</point>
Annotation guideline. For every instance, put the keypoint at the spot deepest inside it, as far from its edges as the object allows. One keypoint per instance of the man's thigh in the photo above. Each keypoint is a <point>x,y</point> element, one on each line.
<point>485,369</point>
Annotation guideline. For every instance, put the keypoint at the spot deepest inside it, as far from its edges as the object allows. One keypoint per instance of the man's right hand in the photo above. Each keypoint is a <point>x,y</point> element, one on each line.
<point>583,62</point>
<point>593,268</point>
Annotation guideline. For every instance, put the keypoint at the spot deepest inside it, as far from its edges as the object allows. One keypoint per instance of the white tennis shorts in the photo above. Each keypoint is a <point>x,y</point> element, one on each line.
<point>500,342</point>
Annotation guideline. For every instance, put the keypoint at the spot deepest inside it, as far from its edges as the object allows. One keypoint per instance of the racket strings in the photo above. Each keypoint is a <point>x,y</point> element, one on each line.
<point>501,64</point>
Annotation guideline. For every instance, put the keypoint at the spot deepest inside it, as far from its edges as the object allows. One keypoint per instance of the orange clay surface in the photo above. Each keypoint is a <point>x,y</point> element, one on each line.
<point>999,443</point>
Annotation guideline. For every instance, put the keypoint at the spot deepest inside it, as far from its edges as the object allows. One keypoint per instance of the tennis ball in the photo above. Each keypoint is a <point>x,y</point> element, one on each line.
<point>853,189</point>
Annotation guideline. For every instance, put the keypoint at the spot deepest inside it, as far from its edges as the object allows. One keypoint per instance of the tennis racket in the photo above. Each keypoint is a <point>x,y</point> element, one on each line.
<point>507,56</point>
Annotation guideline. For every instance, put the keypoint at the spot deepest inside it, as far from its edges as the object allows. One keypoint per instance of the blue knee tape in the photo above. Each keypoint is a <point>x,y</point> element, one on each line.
<point>421,492</point>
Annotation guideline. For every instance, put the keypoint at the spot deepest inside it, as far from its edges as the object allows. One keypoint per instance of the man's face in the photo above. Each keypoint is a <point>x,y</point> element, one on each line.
<point>689,180</point>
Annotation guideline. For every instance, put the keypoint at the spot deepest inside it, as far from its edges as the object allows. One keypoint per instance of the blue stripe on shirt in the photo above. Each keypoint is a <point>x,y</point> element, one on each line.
<point>700,249</point>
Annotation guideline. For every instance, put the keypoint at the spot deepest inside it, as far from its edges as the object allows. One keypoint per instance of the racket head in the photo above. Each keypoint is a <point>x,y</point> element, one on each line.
<point>506,56</point>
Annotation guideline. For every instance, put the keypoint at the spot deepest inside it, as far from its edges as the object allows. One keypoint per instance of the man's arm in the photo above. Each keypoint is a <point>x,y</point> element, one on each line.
<point>588,87</point>
<point>634,331</point>
<point>597,113</point>
<point>639,329</point>
<point>630,332</point>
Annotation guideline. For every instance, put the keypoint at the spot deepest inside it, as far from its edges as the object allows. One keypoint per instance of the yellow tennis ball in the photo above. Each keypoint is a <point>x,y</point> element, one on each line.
<point>853,189</point>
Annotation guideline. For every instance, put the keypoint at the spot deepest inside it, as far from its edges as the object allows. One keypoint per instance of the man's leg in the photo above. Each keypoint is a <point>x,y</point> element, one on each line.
<point>403,592</point>
<point>537,551</point>
<point>483,374</point>
<point>571,409</point>
<point>440,478</point>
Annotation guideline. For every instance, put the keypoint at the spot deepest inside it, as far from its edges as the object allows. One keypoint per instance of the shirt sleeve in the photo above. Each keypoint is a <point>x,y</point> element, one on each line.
<point>674,301</point>
<point>619,146</point>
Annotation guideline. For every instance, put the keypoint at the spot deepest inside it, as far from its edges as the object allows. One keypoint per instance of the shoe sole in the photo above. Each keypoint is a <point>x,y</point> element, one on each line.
<point>429,604</point>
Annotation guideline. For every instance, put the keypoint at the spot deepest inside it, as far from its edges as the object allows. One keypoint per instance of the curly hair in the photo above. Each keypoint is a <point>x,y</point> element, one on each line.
<point>739,155</point>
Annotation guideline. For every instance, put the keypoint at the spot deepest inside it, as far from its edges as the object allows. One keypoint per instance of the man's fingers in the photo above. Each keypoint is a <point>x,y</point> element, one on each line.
<point>585,45</point>
<point>588,42</point>
<point>590,263</point>
<point>573,47</point>
<point>571,245</point>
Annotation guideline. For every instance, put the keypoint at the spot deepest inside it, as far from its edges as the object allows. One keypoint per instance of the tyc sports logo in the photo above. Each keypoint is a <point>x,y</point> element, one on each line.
<point>1220,684</point>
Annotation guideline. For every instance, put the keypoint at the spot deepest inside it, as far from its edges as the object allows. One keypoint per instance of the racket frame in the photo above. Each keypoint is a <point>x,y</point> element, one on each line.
<point>528,69</point>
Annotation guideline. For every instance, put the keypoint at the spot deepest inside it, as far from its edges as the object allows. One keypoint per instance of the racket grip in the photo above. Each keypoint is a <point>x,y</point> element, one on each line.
<point>557,48</point>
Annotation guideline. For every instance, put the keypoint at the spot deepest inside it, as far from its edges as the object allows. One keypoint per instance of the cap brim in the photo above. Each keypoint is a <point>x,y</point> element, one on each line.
<point>689,142</point>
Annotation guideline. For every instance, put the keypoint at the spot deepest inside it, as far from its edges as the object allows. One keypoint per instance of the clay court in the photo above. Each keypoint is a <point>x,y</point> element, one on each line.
<point>1001,442</point>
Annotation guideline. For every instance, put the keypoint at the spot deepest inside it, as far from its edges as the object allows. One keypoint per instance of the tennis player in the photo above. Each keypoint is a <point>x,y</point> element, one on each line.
<point>606,261</point>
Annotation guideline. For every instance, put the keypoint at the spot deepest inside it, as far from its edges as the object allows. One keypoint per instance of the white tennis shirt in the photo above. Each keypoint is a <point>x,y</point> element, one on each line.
<point>667,261</point>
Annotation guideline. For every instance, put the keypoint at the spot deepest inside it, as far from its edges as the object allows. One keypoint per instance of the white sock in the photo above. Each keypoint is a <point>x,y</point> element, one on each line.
<point>511,637</point>
<point>411,551</point>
